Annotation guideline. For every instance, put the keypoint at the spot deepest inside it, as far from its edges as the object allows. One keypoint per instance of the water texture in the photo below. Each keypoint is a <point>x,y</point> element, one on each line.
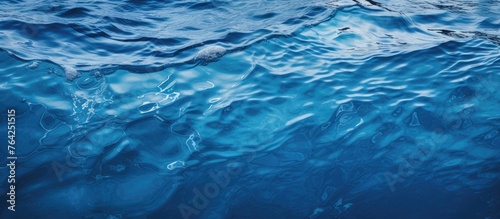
<point>252,109</point>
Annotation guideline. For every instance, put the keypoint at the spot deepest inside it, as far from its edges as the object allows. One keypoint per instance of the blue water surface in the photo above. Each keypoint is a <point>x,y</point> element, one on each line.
<point>252,108</point>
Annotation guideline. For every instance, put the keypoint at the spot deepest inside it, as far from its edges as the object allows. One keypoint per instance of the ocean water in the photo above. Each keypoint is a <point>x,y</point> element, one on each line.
<point>251,109</point>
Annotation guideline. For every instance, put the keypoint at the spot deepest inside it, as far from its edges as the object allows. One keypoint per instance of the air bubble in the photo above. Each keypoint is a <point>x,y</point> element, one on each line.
<point>147,107</point>
<point>175,165</point>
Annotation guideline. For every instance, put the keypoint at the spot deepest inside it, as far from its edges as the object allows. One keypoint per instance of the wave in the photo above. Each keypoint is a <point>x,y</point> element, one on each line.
<point>354,102</point>
<point>102,34</point>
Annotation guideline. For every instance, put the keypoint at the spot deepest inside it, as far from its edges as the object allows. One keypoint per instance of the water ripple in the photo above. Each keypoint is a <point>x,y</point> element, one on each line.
<point>277,109</point>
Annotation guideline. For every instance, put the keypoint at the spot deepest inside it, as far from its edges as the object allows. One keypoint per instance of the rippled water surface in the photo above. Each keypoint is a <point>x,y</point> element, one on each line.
<point>252,109</point>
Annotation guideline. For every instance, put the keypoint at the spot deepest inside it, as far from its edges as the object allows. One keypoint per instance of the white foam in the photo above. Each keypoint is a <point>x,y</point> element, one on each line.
<point>33,65</point>
<point>210,53</point>
<point>70,73</point>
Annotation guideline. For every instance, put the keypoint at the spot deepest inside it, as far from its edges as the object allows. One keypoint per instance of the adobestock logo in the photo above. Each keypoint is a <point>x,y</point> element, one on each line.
<point>219,181</point>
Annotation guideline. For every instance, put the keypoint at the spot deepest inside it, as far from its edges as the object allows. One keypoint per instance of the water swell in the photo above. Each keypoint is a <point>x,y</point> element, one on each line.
<point>164,35</point>
<point>374,104</point>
